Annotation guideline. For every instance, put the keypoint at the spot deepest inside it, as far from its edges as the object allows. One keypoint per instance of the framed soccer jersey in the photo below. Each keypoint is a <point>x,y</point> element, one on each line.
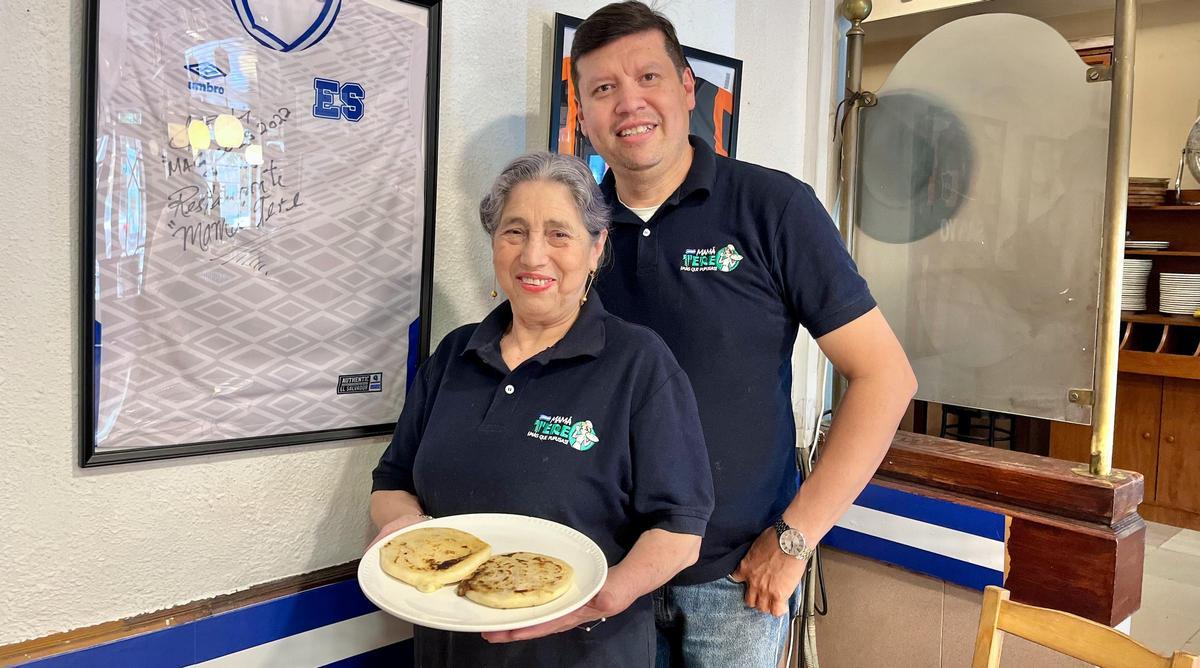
<point>257,221</point>
<point>718,91</point>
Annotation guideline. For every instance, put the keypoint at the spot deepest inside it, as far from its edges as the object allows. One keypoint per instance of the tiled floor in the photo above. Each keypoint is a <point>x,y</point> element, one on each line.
<point>1169,618</point>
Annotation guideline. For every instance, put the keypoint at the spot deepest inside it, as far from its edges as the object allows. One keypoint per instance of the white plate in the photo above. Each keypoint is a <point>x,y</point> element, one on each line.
<point>443,609</point>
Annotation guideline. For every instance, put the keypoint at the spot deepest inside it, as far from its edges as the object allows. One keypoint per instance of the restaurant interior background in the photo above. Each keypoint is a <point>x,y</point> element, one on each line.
<point>153,536</point>
<point>1158,394</point>
<point>150,537</point>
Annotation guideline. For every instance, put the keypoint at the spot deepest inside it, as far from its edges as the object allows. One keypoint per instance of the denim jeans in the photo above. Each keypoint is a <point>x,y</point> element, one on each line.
<point>708,625</point>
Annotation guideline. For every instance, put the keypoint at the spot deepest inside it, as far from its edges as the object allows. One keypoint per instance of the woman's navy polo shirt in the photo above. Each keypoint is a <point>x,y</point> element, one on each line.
<point>599,432</point>
<point>726,271</point>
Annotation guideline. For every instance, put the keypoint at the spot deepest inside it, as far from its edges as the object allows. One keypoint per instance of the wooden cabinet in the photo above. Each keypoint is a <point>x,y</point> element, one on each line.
<point>1157,434</point>
<point>1178,484</point>
<point>1135,436</point>
<point>1157,431</point>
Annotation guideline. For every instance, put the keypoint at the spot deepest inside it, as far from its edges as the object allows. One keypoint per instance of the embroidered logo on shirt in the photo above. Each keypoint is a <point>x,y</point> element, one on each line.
<point>565,430</point>
<point>724,259</point>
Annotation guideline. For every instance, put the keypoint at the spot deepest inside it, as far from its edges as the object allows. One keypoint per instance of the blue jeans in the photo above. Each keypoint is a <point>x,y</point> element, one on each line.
<point>709,626</point>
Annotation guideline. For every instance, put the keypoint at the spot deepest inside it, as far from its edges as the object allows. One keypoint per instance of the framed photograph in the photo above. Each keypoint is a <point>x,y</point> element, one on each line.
<point>257,221</point>
<point>715,118</point>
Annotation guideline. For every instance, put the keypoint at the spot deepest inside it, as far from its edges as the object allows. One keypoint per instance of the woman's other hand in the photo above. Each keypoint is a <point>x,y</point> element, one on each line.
<point>654,559</point>
<point>607,603</point>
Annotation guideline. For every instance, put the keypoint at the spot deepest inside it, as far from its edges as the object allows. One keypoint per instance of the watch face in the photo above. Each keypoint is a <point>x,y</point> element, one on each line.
<point>792,542</point>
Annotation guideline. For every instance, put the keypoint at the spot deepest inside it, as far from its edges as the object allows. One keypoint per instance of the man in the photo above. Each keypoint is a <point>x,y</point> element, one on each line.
<point>726,260</point>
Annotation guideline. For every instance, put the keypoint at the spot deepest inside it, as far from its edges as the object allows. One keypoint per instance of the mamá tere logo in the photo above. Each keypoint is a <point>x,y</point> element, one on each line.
<point>564,429</point>
<point>724,259</point>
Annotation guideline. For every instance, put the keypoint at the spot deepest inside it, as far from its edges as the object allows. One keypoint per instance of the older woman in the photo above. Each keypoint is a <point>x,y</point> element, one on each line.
<point>551,407</point>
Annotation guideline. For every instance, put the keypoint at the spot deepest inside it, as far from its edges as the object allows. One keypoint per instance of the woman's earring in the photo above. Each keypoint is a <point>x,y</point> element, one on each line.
<point>494,293</point>
<point>591,279</point>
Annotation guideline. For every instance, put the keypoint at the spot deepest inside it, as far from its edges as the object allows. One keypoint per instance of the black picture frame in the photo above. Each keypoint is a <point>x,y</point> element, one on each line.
<point>709,95</point>
<point>89,456</point>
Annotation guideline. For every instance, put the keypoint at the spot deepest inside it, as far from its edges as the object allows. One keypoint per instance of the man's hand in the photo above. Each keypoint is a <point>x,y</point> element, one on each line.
<point>395,525</point>
<point>607,603</point>
<point>770,575</point>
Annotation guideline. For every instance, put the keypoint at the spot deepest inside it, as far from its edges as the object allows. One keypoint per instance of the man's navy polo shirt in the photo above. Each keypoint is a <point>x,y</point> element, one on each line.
<point>726,271</point>
<point>599,432</point>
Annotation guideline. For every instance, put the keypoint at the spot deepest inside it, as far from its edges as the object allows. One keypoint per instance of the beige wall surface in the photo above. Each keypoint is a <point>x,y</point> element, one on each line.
<point>86,546</point>
<point>881,615</point>
<point>884,9</point>
<point>1166,76</point>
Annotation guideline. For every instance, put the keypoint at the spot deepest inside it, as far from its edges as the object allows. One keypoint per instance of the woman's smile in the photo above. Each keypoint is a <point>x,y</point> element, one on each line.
<point>534,282</point>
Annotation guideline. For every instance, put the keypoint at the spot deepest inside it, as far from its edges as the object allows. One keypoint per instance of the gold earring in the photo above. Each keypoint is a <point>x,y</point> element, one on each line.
<point>494,293</point>
<point>591,279</point>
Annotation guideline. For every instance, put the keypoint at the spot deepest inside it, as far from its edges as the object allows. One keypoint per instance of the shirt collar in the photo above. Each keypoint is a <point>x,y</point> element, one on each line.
<point>585,338</point>
<point>699,181</point>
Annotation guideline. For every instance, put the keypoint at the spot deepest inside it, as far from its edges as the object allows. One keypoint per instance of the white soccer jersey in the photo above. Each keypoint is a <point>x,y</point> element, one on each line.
<point>258,215</point>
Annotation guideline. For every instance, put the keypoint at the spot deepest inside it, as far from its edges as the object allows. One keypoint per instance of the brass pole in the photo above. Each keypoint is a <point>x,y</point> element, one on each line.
<point>1116,193</point>
<point>855,11</point>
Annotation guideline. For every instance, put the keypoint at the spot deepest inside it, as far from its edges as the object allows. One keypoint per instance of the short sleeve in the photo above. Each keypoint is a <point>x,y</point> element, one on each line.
<point>819,279</point>
<point>672,482</point>
<point>395,468</point>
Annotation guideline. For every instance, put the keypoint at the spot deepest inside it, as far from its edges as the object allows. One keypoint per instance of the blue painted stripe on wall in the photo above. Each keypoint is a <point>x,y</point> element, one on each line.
<point>933,511</point>
<point>168,648</point>
<point>254,625</point>
<point>226,633</point>
<point>953,570</point>
<point>398,655</point>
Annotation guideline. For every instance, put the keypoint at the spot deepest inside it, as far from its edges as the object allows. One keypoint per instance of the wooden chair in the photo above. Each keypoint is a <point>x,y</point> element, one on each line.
<point>1063,632</point>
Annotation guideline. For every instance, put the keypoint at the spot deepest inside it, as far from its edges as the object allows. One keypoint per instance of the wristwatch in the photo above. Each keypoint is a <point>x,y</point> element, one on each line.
<point>791,541</point>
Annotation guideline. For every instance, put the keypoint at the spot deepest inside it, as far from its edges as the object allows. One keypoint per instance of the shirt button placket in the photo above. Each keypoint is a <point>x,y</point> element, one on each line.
<point>647,251</point>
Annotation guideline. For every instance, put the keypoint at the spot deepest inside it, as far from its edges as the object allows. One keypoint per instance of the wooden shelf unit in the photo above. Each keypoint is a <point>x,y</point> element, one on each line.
<point>1166,253</point>
<point>1158,385</point>
<point>1160,318</point>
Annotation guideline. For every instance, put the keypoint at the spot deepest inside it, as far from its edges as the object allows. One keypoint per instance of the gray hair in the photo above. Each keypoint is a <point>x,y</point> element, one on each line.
<point>556,168</point>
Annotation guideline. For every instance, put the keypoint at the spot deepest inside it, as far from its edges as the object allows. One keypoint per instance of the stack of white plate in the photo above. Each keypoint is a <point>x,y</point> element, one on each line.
<point>1130,244</point>
<point>1133,284</point>
<point>1179,294</point>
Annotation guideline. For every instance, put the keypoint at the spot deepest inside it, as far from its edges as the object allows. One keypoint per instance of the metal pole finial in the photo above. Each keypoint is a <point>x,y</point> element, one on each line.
<point>856,11</point>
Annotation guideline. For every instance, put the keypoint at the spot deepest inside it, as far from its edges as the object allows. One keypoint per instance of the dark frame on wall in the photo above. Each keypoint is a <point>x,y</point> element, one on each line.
<point>715,118</point>
<point>89,334</point>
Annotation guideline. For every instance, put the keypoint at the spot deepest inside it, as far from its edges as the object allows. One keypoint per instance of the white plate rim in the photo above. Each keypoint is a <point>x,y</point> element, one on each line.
<point>369,566</point>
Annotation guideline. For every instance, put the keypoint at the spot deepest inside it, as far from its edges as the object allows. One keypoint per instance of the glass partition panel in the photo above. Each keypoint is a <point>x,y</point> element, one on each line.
<point>980,213</point>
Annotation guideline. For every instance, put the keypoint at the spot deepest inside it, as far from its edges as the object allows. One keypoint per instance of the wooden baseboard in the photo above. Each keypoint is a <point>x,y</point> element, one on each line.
<point>1167,515</point>
<point>189,612</point>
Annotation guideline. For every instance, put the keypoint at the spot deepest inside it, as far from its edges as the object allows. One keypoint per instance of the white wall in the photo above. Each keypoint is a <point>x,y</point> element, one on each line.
<point>83,547</point>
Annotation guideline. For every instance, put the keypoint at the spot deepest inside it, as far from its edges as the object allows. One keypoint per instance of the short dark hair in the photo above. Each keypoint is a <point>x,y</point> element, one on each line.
<point>620,19</point>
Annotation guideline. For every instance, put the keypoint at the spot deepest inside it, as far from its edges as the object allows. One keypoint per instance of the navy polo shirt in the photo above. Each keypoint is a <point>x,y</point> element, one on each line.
<point>726,271</point>
<point>599,432</point>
